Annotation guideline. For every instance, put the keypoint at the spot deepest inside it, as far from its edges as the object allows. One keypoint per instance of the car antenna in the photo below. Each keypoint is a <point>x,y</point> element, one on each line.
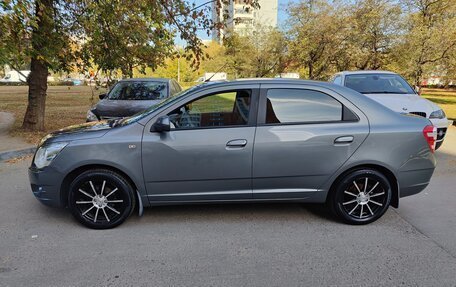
<point>207,80</point>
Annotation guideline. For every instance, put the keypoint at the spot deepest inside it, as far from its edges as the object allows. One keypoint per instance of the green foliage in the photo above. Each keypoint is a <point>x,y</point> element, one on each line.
<point>428,44</point>
<point>416,38</point>
<point>261,54</point>
<point>333,36</point>
<point>18,22</point>
<point>123,34</point>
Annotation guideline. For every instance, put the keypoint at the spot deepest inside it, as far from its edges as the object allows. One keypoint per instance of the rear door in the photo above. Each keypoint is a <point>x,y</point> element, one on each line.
<point>304,134</point>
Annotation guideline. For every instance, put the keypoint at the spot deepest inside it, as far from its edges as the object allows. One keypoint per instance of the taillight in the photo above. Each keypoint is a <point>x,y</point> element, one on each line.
<point>430,134</point>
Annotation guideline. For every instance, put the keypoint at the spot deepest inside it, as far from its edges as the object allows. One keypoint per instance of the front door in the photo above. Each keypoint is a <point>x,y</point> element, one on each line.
<point>303,136</point>
<point>207,155</point>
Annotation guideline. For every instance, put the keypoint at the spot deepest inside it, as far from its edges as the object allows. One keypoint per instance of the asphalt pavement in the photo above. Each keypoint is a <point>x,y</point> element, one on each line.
<point>232,245</point>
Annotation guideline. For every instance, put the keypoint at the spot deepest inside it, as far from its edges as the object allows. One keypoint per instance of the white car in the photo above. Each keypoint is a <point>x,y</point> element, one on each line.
<point>392,91</point>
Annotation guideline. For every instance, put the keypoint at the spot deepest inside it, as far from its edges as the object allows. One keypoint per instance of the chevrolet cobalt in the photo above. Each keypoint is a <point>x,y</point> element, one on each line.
<point>246,140</point>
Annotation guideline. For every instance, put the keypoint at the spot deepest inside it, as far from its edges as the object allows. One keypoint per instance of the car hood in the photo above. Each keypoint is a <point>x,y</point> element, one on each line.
<point>78,132</point>
<point>405,103</point>
<point>122,108</point>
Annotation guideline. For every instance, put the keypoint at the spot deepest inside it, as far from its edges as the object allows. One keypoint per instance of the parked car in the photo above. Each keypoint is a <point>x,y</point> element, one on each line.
<point>250,140</point>
<point>392,91</point>
<point>15,77</point>
<point>132,96</point>
<point>73,82</point>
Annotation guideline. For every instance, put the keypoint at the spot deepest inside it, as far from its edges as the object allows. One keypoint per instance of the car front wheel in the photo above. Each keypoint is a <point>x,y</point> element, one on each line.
<point>361,197</point>
<point>101,199</point>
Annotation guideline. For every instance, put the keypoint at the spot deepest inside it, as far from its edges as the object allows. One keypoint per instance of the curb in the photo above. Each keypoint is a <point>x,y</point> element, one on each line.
<point>16,153</point>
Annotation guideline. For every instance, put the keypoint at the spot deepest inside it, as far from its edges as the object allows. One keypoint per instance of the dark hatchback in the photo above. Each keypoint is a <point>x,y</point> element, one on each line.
<point>132,96</point>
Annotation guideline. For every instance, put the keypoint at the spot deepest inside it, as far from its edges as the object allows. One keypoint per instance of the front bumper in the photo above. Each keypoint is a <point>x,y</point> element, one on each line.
<point>45,185</point>
<point>441,125</point>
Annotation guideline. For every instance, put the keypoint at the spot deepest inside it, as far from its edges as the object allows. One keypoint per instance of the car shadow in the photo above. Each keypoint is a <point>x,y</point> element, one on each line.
<point>233,212</point>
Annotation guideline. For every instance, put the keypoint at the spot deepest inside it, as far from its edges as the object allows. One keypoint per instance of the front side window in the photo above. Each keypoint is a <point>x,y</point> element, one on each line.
<point>301,106</point>
<point>337,80</point>
<point>141,90</point>
<point>378,84</point>
<point>216,110</point>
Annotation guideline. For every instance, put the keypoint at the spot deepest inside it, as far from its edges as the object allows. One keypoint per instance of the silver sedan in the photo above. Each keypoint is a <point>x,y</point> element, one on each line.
<point>246,140</point>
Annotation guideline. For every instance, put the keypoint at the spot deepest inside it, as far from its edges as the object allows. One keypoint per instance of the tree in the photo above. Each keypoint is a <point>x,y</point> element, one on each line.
<point>328,37</point>
<point>429,39</point>
<point>318,34</point>
<point>374,26</point>
<point>260,54</point>
<point>108,34</point>
<point>36,32</point>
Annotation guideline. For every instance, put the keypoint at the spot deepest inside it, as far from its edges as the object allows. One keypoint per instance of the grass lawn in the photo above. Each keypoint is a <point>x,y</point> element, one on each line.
<point>64,106</point>
<point>68,106</point>
<point>446,99</point>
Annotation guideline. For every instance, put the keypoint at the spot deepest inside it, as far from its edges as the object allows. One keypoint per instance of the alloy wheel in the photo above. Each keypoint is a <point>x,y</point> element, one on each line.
<point>101,199</point>
<point>364,198</point>
<point>361,196</point>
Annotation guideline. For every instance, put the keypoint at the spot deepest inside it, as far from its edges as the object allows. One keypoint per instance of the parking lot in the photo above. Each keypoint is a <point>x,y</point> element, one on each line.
<point>232,245</point>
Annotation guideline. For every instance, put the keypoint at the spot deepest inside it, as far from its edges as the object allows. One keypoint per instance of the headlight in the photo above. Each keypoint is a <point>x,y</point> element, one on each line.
<point>91,117</point>
<point>45,154</point>
<point>439,114</point>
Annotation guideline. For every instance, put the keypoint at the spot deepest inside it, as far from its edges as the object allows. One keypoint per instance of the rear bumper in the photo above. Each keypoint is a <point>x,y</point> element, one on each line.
<point>45,185</point>
<point>414,181</point>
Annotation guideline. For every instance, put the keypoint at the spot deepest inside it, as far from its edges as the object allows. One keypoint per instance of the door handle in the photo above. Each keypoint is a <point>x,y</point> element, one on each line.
<point>236,143</point>
<point>344,140</point>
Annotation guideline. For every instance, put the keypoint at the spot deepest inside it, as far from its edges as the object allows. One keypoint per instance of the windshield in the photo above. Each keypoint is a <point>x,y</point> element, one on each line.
<point>138,90</point>
<point>378,84</point>
<point>143,114</point>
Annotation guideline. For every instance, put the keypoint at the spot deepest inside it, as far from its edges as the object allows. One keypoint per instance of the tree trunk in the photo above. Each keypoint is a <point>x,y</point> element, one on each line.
<point>37,80</point>
<point>310,66</point>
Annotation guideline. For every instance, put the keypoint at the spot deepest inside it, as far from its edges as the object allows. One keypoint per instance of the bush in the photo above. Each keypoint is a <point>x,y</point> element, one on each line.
<point>13,84</point>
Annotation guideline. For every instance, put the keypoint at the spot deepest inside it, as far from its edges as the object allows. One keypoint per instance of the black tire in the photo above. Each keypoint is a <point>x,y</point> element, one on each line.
<point>101,199</point>
<point>356,204</point>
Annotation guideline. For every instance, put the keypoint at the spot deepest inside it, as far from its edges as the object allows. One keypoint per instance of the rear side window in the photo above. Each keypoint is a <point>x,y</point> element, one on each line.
<point>301,106</point>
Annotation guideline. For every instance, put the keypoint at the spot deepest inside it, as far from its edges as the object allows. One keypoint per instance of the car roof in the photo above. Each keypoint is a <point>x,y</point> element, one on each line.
<point>361,72</point>
<point>145,80</point>
<point>262,81</point>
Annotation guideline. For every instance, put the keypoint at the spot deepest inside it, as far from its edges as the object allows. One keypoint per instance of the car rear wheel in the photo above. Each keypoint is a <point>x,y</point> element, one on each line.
<point>361,197</point>
<point>101,199</point>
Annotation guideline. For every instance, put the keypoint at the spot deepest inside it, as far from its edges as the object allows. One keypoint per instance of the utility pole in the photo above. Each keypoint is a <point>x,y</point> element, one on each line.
<point>178,69</point>
<point>178,64</point>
